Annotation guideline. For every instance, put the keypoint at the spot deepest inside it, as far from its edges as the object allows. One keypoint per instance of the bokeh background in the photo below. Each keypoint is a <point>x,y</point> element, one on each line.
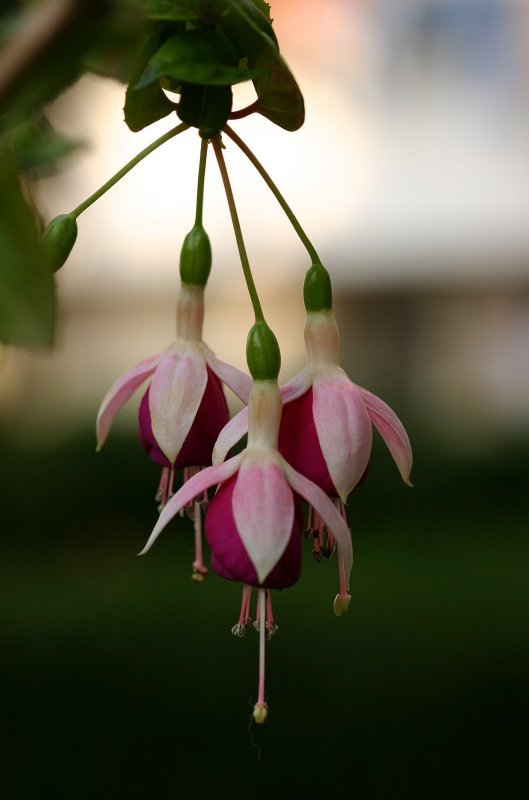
<point>120,676</point>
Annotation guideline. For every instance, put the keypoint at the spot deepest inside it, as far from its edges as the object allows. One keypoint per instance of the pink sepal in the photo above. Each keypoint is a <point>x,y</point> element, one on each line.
<point>343,427</point>
<point>296,387</point>
<point>263,509</point>
<point>190,489</point>
<point>392,431</point>
<point>119,393</point>
<point>231,433</point>
<point>175,395</point>
<point>327,511</point>
<point>238,381</point>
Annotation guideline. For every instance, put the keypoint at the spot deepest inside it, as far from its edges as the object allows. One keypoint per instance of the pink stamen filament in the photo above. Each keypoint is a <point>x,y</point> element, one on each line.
<point>161,494</point>
<point>199,568</point>
<point>244,617</point>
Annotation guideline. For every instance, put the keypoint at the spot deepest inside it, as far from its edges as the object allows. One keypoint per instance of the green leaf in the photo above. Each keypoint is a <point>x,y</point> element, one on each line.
<point>198,56</point>
<point>185,10</point>
<point>27,296</point>
<point>263,7</point>
<point>279,97</point>
<point>36,146</point>
<point>146,105</point>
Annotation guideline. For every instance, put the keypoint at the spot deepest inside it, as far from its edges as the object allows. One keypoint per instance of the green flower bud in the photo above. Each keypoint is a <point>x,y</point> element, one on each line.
<point>262,353</point>
<point>59,238</point>
<point>195,257</point>
<point>317,289</point>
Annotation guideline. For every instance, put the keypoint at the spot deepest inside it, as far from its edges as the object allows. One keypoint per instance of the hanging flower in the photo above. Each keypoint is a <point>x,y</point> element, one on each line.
<point>184,408</point>
<point>326,423</point>
<point>254,521</point>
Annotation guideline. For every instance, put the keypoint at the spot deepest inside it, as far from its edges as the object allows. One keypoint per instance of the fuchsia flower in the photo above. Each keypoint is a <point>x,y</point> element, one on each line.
<point>325,428</point>
<point>184,408</point>
<point>253,523</point>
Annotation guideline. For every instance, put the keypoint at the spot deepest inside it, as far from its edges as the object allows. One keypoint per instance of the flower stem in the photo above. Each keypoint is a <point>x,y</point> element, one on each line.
<point>127,168</point>
<point>277,194</point>
<point>201,179</point>
<point>252,291</point>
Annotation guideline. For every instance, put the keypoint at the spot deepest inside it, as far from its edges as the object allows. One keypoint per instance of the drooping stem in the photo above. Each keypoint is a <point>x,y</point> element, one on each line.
<point>277,194</point>
<point>201,179</point>
<point>252,291</point>
<point>127,168</point>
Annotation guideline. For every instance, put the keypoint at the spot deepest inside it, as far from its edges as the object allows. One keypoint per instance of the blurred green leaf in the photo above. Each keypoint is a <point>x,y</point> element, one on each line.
<point>27,297</point>
<point>36,146</point>
<point>279,97</point>
<point>198,56</point>
<point>148,104</point>
<point>185,10</point>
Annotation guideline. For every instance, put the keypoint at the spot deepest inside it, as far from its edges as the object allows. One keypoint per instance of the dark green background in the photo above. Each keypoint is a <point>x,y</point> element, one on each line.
<point>121,678</point>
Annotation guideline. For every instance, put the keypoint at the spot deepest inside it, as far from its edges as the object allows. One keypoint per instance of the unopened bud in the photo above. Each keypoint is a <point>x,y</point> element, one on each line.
<point>59,238</point>
<point>260,712</point>
<point>317,289</point>
<point>341,604</point>
<point>262,353</point>
<point>195,257</point>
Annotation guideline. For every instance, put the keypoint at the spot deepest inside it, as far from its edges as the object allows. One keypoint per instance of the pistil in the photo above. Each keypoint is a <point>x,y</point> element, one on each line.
<point>260,710</point>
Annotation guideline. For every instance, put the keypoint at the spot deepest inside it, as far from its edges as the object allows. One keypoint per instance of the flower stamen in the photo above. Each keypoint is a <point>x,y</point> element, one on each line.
<point>161,495</point>
<point>239,629</point>
<point>200,570</point>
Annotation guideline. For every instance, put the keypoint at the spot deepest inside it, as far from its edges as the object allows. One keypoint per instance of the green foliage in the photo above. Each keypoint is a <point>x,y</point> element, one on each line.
<point>198,56</point>
<point>148,104</point>
<point>222,43</point>
<point>27,297</point>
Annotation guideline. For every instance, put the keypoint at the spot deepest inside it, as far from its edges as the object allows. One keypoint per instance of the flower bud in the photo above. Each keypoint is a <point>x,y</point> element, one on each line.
<point>59,238</point>
<point>317,289</point>
<point>262,353</point>
<point>195,257</point>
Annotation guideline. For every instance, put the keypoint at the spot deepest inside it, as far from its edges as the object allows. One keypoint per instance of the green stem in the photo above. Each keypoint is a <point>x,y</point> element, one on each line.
<point>127,168</point>
<point>277,194</point>
<point>252,291</point>
<point>201,179</point>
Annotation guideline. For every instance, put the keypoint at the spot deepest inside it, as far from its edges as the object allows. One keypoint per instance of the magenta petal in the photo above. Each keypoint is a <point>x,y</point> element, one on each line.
<point>229,558</point>
<point>392,431</point>
<point>299,445</point>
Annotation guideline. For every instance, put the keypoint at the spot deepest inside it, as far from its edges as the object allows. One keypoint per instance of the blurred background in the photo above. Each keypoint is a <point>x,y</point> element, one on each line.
<point>411,176</point>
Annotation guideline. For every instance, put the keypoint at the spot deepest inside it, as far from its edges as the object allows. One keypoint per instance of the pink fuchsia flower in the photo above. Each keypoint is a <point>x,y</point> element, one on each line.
<point>184,407</point>
<point>326,423</point>
<point>253,523</point>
